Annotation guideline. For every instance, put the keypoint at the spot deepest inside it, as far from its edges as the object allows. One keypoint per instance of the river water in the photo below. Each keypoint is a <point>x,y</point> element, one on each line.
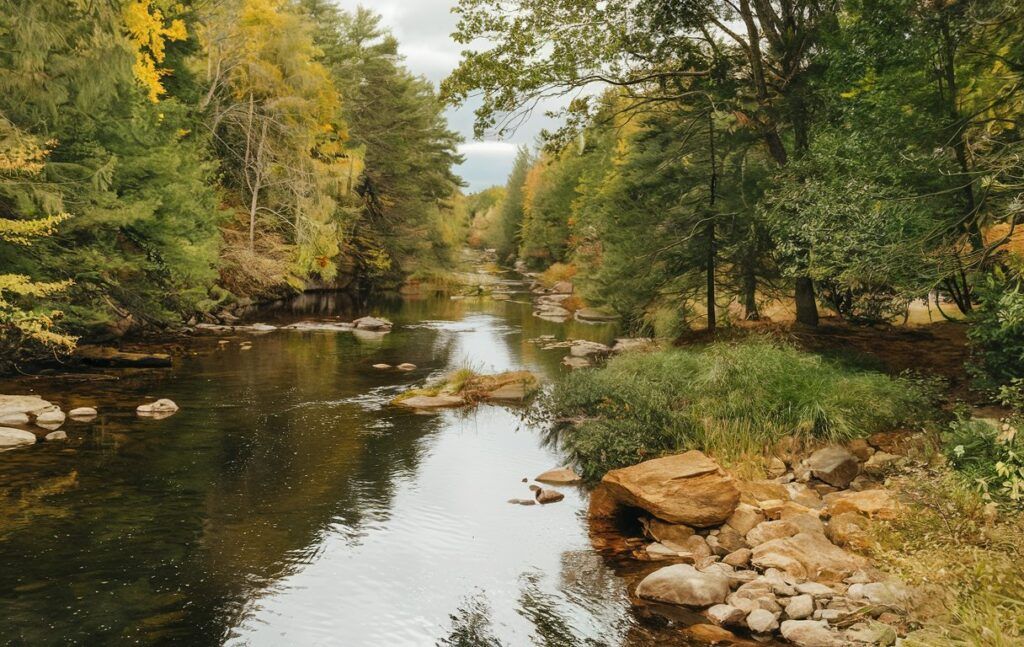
<point>288,504</point>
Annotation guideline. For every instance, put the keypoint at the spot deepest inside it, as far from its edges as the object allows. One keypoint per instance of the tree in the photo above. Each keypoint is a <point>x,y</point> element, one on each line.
<point>24,328</point>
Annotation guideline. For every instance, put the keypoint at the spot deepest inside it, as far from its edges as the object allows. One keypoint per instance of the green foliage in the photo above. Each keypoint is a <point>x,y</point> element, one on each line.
<point>730,399</point>
<point>997,330</point>
<point>989,456</point>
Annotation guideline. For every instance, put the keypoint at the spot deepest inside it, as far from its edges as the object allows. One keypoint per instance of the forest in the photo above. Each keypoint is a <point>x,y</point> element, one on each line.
<point>162,161</point>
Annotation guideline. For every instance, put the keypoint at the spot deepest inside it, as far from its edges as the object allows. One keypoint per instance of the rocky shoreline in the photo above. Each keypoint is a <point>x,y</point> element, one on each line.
<point>764,559</point>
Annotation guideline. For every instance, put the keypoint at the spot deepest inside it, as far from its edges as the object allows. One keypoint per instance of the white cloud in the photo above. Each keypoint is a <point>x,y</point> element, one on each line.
<point>490,148</point>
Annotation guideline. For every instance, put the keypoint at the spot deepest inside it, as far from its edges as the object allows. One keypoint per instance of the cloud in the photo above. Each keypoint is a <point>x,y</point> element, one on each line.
<point>489,148</point>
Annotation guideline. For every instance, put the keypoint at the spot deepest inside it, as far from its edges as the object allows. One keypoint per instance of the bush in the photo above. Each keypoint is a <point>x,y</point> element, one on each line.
<point>990,456</point>
<point>997,329</point>
<point>557,273</point>
<point>730,399</point>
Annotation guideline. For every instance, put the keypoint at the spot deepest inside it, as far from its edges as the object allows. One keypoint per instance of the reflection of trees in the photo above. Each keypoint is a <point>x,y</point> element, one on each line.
<point>471,625</point>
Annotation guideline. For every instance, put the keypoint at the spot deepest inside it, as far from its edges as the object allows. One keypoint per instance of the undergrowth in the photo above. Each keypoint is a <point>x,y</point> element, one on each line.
<point>964,554</point>
<point>733,400</point>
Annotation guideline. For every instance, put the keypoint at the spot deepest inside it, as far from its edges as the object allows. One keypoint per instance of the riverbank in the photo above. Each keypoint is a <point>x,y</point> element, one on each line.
<point>838,516</point>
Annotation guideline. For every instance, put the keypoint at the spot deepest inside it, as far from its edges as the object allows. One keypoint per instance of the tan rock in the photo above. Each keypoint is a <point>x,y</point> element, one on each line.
<point>686,488</point>
<point>672,532</point>
<point>756,492</point>
<point>431,401</point>
<point>810,633</point>
<point>738,558</point>
<point>744,518</point>
<point>809,556</point>
<point>684,585</point>
<point>770,530</point>
<point>559,476</point>
<point>761,622</point>
<point>706,634</point>
<point>804,495</point>
<point>849,530</point>
<point>11,438</point>
<point>834,465</point>
<point>874,504</point>
<point>860,448</point>
<point>773,508</point>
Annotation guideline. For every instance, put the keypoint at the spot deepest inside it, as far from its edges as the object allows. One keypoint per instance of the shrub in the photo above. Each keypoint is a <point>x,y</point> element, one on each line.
<point>990,456</point>
<point>556,273</point>
<point>731,399</point>
<point>997,329</point>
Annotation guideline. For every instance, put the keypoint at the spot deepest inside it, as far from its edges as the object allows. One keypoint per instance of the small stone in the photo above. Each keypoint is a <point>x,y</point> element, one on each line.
<point>802,494</point>
<point>710,635</point>
<point>761,622</point>
<point>770,530</point>
<point>861,449</point>
<point>56,436</point>
<point>834,465</point>
<point>83,413</point>
<point>382,367</point>
<point>880,463</point>
<point>52,416</point>
<point>744,518</point>
<point>725,615</point>
<point>815,590</point>
<point>772,508</point>
<point>155,408</point>
<point>873,633</point>
<point>738,558</point>
<point>810,633</point>
<point>800,607</point>
<point>406,367</point>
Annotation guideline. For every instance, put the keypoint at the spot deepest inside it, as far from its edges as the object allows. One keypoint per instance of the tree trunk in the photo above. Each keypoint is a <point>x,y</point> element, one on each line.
<point>750,294</point>
<point>710,228</point>
<point>806,303</point>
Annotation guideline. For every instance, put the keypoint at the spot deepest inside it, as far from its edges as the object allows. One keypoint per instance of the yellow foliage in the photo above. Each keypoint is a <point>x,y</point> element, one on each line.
<point>148,35</point>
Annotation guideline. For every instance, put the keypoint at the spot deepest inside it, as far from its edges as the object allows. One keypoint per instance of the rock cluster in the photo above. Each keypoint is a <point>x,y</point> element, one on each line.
<point>768,558</point>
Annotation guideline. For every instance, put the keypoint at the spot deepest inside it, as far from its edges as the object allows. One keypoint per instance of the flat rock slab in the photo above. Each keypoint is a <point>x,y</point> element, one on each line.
<point>321,326</point>
<point>559,476</point>
<point>29,405</point>
<point>431,401</point>
<point>372,324</point>
<point>686,488</point>
<point>12,438</point>
<point>591,315</point>
<point>808,556</point>
<point>113,358</point>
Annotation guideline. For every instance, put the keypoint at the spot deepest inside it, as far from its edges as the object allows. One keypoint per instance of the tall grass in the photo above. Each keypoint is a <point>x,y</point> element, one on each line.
<point>730,399</point>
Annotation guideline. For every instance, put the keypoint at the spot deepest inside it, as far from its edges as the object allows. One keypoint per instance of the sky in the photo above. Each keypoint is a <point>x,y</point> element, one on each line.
<point>423,29</point>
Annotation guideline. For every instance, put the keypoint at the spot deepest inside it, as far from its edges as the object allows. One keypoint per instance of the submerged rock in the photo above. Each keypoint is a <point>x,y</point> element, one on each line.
<point>320,326</point>
<point>684,585</point>
<point>83,413</point>
<point>372,324</point>
<point>430,401</point>
<point>161,408</point>
<point>381,367</point>
<point>111,357</point>
<point>686,488</point>
<point>589,349</point>
<point>406,367</point>
<point>12,438</point>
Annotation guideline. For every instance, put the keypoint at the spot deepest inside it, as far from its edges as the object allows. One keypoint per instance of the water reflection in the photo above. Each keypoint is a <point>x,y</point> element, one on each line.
<point>287,503</point>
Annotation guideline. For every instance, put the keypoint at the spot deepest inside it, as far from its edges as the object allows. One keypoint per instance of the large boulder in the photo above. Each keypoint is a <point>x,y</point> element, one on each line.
<point>12,438</point>
<point>834,465</point>
<point>809,556</point>
<point>686,488</point>
<point>684,585</point>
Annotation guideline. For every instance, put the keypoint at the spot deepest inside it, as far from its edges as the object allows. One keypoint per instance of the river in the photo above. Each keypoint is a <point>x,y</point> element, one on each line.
<point>288,504</point>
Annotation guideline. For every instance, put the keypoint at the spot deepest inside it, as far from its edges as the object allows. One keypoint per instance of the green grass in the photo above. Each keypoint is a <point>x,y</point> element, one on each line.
<point>733,400</point>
